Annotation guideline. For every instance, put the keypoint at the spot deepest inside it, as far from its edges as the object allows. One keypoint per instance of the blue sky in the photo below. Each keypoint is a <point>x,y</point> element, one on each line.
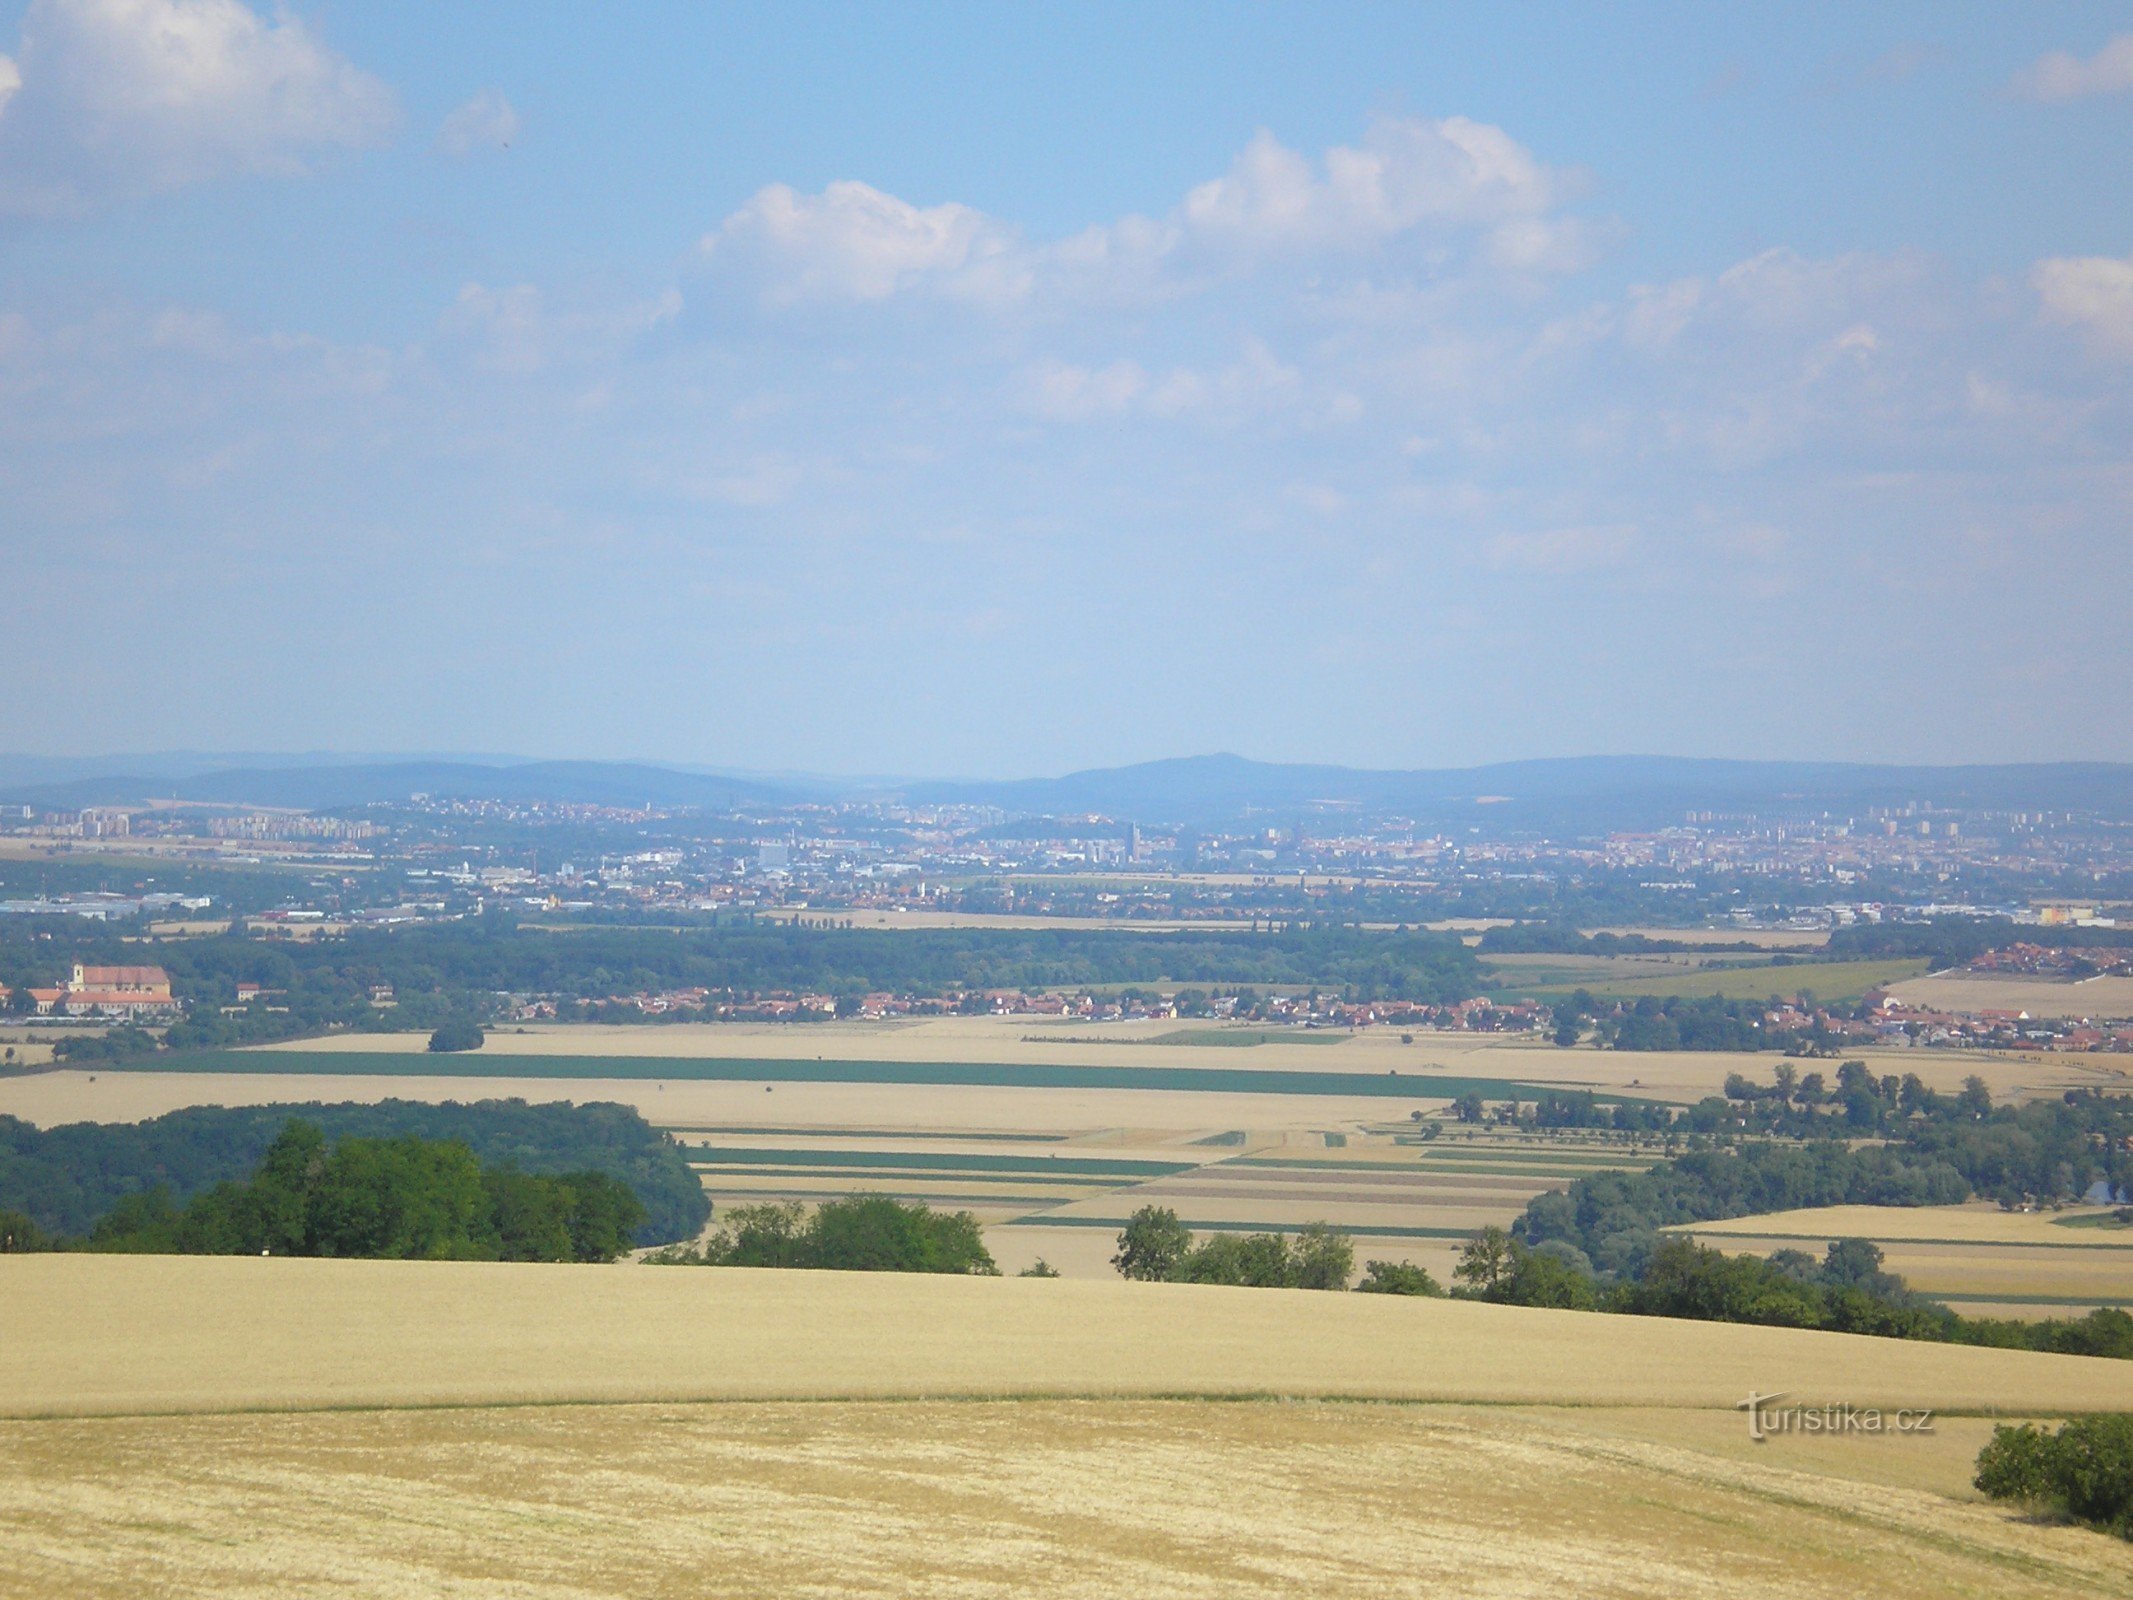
<point>1004,390</point>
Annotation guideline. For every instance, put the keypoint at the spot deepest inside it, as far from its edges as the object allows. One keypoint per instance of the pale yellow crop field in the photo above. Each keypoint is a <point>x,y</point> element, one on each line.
<point>1687,1074</point>
<point>218,1426</point>
<point>2040,997</point>
<point>1984,1261</point>
<point>1047,1499</point>
<point>1976,1222</point>
<point>127,1334</point>
<point>51,1098</point>
<point>30,1049</point>
<point>1761,938</point>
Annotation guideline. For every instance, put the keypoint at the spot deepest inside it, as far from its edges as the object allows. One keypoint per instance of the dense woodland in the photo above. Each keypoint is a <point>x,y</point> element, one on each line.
<point>66,1180</point>
<point>401,1198</point>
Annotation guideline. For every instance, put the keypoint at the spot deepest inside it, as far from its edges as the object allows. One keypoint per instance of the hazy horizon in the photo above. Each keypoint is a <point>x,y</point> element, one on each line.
<point>993,394</point>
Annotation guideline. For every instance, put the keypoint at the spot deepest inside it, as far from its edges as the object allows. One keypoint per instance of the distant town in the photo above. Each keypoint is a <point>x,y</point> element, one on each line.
<point>2055,882</point>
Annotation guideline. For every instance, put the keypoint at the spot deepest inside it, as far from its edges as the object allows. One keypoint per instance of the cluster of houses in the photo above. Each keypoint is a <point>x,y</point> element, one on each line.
<point>1472,1016</point>
<point>2002,1029</point>
<point>2054,961</point>
<point>108,994</point>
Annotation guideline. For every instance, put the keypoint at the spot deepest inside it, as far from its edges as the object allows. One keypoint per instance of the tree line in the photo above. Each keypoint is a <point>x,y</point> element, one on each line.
<point>397,1198</point>
<point>65,1179</point>
<point>859,1233</point>
<point>2046,1151</point>
<point>460,970</point>
<point>1846,1292</point>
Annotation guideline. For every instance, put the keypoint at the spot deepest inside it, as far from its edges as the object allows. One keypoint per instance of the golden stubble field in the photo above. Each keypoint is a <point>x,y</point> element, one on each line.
<point>2040,997</point>
<point>839,1434</point>
<point>1688,1074</point>
<point>1083,1499</point>
<point>170,1333</point>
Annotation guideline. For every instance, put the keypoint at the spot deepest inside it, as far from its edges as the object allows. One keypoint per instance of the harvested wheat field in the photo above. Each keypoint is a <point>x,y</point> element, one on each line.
<point>216,1426</point>
<point>988,1499</point>
<point>88,1334</point>
<point>2040,997</point>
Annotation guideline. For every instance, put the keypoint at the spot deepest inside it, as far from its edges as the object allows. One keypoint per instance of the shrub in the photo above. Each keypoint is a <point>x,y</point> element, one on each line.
<point>1398,1277</point>
<point>2083,1472</point>
<point>19,1235</point>
<point>458,1034</point>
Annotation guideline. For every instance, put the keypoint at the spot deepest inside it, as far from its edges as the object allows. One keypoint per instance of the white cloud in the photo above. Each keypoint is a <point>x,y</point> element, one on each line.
<point>486,122</point>
<point>2062,75</point>
<point>120,97</point>
<point>2091,292</point>
<point>1434,182</point>
<point>10,80</point>
<point>854,242</point>
<point>1405,175</point>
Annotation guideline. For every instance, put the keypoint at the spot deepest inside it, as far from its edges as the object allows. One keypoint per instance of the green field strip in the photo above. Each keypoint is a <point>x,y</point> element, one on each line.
<point>923,1074</point>
<point>883,1175</point>
<point>1251,1227</point>
<point>1477,1169</point>
<point>946,1161</point>
<point>1946,1296</point>
<point>1010,1206</point>
<point>754,1131</point>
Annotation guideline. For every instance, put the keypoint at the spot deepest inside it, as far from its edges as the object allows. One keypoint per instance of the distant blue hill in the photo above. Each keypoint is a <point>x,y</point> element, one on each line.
<point>1616,789</point>
<point>326,787</point>
<point>1194,791</point>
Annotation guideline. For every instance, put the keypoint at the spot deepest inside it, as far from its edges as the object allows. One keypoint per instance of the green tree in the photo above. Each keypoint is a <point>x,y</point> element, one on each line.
<point>1321,1257</point>
<point>1153,1245</point>
<point>461,1033</point>
<point>1248,1260</point>
<point>19,1235</point>
<point>1486,1261</point>
<point>1398,1277</point>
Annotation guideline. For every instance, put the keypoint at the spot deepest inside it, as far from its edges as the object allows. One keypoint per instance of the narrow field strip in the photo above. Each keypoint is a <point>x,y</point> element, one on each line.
<point>1373,1230</point>
<point>1964,1296</point>
<point>946,1074</point>
<point>687,1131</point>
<point>920,1160</point>
<point>901,1174</point>
<point>2075,1248</point>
